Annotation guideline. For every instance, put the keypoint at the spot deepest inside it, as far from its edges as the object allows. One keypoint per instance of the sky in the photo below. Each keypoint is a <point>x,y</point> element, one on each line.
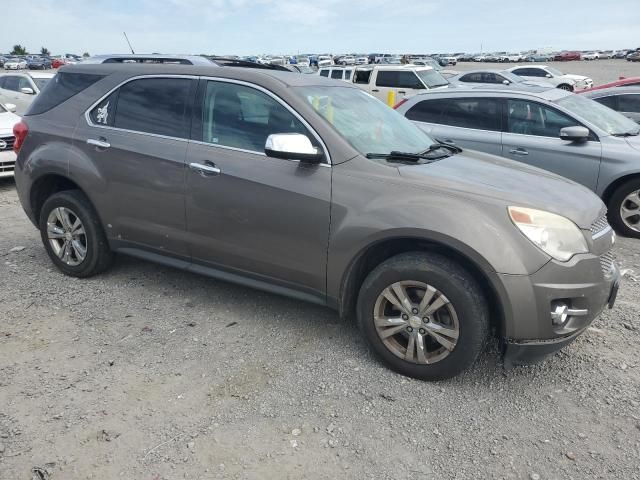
<point>245,27</point>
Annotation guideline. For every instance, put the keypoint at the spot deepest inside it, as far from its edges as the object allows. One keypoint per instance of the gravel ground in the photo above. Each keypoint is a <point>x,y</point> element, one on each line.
<point>151,373</point>
<point>601,71</point>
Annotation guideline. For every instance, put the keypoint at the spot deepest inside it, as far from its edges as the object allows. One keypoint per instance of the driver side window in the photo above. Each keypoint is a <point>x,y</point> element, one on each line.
<point>242,117</point>
<point>531,118</point>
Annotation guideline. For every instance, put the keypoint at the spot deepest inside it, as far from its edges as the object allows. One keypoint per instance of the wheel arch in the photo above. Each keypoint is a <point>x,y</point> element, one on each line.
<point>377,252</point>
<point>614,185</point>
<point>47,185</point>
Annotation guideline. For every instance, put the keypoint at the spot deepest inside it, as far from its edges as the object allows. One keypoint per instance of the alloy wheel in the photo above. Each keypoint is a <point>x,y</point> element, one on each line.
<point>416,322</point>
<point>67,236</point>
<point>630,210</point>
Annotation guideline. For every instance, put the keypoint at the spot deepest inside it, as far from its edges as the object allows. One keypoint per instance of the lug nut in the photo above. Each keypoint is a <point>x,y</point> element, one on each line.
<point>409,329</point>
<point>405,316</point>
<point>414,311</point>
<point>422,331</point>
<point>425,319</point>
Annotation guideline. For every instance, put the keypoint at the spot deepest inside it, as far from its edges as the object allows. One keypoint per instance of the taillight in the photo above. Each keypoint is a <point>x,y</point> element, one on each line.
<point>404,100</point>
<point>20,131</point>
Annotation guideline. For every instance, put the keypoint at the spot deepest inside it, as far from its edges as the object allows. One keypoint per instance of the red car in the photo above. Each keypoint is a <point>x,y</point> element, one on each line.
<point>57,63</point>
<point>622,82</point>
<point>566,56</point>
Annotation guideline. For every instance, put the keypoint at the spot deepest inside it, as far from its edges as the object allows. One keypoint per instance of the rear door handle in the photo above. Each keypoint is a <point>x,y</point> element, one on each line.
<point>518,151</point>
<point>375,90</point>
<point>100,143</point>
<point>206,169</point>
<point>402,92</point>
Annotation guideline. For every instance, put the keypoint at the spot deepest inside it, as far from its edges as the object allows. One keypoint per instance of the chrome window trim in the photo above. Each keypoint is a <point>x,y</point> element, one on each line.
<point>87,113</point>
<point>602,233</point>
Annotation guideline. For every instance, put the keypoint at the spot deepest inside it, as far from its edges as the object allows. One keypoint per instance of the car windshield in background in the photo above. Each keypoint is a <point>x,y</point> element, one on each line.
<point>364,121</point>
<point>432,79</point>
<point>512,77</point>
<point>41,82</point>
<point>602,117</point>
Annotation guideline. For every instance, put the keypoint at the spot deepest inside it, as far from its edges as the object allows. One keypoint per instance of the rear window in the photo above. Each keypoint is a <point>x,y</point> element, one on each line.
<point>60,89</point>
<point>324,73</point>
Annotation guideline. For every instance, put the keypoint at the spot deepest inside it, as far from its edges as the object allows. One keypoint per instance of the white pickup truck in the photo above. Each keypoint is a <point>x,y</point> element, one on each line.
<point>402,80</point>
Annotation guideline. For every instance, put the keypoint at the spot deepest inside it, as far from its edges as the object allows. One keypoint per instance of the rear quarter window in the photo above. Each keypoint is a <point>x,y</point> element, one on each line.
<point>60,89</point>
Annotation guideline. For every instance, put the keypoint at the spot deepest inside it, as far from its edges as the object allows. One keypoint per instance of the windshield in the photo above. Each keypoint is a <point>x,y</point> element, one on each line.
<point>364,121</point>
<point>41,82</point>
<point>554,71</point>
<point>602,117</point>
<point>512,77</point>
<point>432,79</point>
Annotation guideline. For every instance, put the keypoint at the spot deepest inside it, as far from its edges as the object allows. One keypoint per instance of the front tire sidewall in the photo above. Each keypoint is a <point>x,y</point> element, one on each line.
<point>614,208</point>
<point>456,284</point>
<point>96,244</point>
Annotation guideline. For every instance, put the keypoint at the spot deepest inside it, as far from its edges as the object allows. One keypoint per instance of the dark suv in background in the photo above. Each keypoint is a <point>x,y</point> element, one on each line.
<point>312,188</point>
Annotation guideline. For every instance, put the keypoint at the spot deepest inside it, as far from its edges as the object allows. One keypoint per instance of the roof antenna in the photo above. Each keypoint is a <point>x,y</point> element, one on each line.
<point>127,38</point>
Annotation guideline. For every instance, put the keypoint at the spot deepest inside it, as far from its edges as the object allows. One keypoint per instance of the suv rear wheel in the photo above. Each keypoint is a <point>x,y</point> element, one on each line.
<point>624,209</point>
<point>424,315</point>
<point>73,236</point>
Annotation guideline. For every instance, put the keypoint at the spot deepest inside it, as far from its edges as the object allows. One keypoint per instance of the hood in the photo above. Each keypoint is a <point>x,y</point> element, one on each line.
<point>515,184</point>
<point>634,142</point>
<point>7,121</point>
<point>577,78</point>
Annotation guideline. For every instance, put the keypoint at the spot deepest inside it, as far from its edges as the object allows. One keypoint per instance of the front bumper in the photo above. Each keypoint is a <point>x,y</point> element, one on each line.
<point>7,163</point>
<point>587,284</point>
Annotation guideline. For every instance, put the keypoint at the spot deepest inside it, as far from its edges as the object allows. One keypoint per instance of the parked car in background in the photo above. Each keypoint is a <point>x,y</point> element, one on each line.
<point>511,58</point>
<point>57,62</point>
<point>537,57</point>
<point>431,62</point>
<point>324,61</point>
<point>621,53</point>
<point>591,56</point>
<point>480,58</point>
<point>21,89</point>
<point>15,63</point>
<point>567,56</point>
<point>402,80</point>
<point>301,69</point>
<point>495,77</point>
<point>622,82</point>
<point>39,63</point>
<point>632,57</point>
<point>2,60</point>
<point>362,60</point>
<point>606,54</point>
<point>8,120</point>
<point>625,100</point>
<point>302,61</point>
<point>446,60</point>
<point>337,72</point>
<point>568,134</point>
<point>554,76</point>
<point>347,60</point>
<point>431,247</point>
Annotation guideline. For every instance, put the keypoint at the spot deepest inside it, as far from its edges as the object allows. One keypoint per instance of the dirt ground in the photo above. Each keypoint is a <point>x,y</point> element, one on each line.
<point>151,373</point>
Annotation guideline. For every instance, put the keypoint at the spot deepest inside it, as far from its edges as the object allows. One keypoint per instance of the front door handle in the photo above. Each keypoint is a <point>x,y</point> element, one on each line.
<point>375,90</point>
<point>402,92</point>
<point>518,151</point>
<point>207,169</point>
<point>100,143</point>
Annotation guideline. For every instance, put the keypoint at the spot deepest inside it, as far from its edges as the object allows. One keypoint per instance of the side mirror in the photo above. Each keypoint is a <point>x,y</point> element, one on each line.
<point>27,91</point>
<point>292,146</point>
<point>574,134</point>
<point>506,82</point>
<point>548,75</point>
<point>11,107</point>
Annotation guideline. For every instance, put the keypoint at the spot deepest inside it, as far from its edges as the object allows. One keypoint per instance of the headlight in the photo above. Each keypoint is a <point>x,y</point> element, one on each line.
<point>555,235</point>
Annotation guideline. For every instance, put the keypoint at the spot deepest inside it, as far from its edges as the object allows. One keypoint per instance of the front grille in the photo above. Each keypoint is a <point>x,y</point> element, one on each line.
<point>9,142</point>
<point>606,262</point>
<point>600,224</point>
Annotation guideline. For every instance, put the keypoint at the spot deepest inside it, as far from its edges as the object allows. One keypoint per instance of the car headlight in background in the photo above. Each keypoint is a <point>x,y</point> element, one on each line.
<point>555,235</point>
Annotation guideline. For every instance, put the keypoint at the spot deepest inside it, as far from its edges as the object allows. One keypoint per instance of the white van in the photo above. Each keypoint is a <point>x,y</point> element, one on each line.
<point>337,72</point>
<point>403,80</point>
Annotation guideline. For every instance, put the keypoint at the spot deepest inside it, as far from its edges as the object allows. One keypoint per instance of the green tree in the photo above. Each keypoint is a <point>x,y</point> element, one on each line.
<point>45,51</point>
<point>85,55</point>
<point>19,50</point>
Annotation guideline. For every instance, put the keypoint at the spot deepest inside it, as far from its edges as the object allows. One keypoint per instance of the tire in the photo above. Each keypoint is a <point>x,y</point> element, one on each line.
<point>566,87</point>
<point>449,280</point>
<point>623,197</point>
<point>97,258</point>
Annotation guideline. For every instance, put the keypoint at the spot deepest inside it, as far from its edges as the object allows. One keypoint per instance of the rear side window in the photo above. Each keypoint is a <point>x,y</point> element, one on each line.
<point>337,74</point>
<point>324,73</point>
<point>476,113</point>
<point>629,103</point>
<point>362,76</point>
<point>428,111</point>
<point>60,89</point>
<point>610,102</point>
<point>154,105</point>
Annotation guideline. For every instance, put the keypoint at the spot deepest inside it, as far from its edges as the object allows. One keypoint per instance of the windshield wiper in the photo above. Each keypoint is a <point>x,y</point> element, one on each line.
<point>445,145</point>
<point>401,156</point>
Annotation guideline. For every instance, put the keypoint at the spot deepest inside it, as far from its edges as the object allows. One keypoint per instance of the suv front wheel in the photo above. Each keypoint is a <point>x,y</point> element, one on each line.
<point>624,209</point>
<point>73,236</point>
<point>424,315</point>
